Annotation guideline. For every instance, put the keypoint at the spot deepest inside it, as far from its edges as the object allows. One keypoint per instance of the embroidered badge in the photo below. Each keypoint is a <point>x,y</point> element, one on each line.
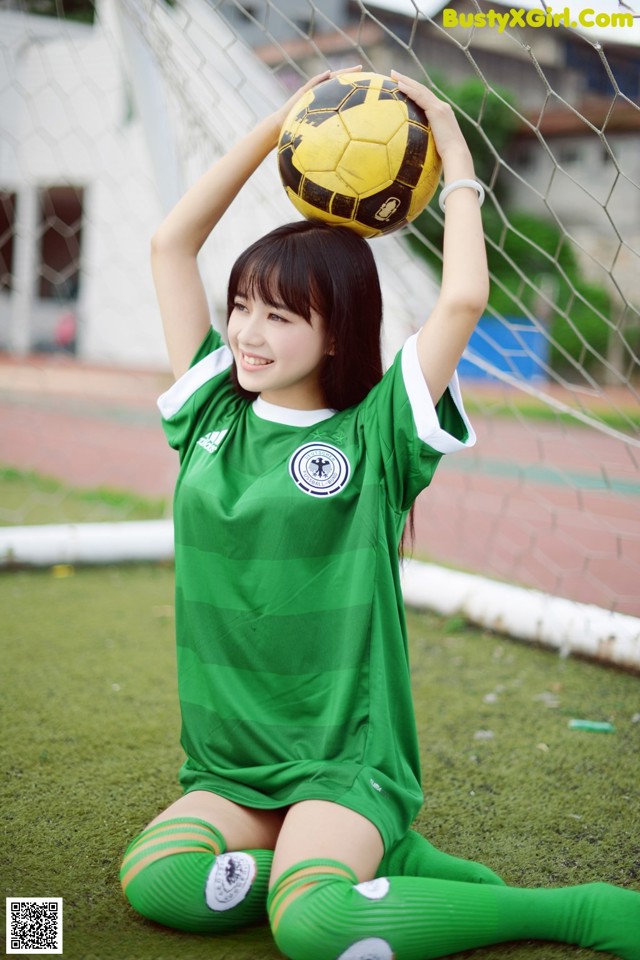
<point>320,469</point>
<point>229,880</point>
<point>373,948</point>
<point>373,889</point>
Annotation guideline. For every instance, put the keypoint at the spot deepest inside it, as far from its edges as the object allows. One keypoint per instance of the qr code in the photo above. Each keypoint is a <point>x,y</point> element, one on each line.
<point>34,925</point>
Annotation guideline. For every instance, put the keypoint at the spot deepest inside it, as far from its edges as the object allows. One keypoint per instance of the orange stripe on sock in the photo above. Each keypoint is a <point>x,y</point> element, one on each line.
<point>151,841</point>
<point>152,858</point>
<point>171,828</point>
<point>293,886</point>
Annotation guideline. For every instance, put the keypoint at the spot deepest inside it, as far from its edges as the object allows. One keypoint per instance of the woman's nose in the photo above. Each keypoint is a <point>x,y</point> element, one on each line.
<point>252,330</point>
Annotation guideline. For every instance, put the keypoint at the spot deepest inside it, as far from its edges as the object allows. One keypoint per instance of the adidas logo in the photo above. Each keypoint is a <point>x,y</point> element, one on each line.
<point>211,441</point>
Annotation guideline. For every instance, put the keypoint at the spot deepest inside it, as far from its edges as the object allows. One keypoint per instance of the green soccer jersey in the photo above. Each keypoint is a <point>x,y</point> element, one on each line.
<point>293,670</point>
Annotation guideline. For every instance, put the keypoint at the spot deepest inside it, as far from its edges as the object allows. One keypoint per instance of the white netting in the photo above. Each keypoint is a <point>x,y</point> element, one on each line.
<point>105,123</point>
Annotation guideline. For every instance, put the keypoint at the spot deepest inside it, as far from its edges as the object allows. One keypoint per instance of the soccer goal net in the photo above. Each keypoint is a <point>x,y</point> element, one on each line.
<point>109,109</point>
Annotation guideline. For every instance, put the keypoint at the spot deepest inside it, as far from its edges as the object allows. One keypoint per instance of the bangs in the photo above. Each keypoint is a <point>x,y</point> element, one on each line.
<point>305,267</point>
<point>278,275</point>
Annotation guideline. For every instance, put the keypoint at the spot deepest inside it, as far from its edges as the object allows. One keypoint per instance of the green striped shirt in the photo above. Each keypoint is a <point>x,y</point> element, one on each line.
<point>293,669</point>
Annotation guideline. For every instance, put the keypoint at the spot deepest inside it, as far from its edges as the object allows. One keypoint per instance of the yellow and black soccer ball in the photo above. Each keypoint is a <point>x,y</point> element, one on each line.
<point>356,151</point>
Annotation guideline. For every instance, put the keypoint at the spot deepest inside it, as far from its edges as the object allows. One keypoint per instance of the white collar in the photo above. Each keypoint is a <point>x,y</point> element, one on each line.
<point>287,415</point>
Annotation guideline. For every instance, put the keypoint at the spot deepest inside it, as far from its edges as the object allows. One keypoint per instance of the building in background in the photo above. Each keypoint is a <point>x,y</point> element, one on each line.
<point>576,154</point>
<point>77,196</point>
<point>104,123</point>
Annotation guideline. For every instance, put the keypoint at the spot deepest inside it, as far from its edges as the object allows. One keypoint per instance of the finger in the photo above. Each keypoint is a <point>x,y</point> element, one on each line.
<point>401,76</point>
<point>319,77</point>
<point>422,97</point>
<point>404,79</point>
<point>326,74</point>
<point>412,86</point>
<point>355,69</point>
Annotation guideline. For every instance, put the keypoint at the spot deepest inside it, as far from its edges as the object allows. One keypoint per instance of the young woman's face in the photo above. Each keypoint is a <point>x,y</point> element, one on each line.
<point>278,353</point>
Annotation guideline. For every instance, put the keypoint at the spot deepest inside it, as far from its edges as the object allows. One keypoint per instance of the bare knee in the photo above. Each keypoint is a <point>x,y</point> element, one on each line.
<point>242,827</point>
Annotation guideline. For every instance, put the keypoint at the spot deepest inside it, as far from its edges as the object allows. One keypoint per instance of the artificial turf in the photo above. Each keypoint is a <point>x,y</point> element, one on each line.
<point>31,498</point>
<point>90,734</point>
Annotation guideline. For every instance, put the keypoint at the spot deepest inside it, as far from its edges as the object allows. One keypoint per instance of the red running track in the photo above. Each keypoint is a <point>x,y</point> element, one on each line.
<point>543,505</point>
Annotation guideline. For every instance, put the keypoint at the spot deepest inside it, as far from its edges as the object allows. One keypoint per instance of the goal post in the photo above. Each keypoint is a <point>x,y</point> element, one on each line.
<point>110,111</point>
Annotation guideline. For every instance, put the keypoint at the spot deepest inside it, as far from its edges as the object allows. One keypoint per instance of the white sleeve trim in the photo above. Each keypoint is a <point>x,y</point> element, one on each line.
<point>424,411</point>
<point>196,376</point>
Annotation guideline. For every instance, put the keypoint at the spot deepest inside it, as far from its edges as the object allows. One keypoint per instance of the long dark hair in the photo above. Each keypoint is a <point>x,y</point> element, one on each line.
<point>311,265</point>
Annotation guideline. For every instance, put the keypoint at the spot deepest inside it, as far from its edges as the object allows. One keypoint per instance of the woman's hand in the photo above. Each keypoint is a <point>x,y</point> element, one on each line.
<point>449,140</point>
<point>463,292</point>
<point>280,115</point>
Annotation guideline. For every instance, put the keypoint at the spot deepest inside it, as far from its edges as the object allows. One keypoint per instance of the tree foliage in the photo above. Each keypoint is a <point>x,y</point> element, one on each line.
<point>81,10</point>
<point>534,268</point>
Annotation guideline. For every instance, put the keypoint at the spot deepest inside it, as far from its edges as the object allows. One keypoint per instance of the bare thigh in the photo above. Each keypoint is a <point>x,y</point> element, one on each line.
<point>243,828</point>
<point>316,829</point>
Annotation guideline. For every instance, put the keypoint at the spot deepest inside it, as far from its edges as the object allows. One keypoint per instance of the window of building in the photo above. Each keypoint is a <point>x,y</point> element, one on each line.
<point>567,154</point>
<point>60,243</point>
<point>595,77</point>
<point>522,156</point>
<point>7,219</point>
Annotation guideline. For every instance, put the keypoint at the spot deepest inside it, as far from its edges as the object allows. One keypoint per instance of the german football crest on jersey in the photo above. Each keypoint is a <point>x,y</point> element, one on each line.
<point>320,469</point>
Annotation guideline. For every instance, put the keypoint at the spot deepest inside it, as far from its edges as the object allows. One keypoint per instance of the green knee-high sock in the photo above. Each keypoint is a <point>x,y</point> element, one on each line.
<point>317,912</point>
<point>178,874</point>
<point>414,856</point>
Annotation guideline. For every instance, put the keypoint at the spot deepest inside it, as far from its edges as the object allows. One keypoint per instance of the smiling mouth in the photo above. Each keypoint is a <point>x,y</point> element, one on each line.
<point>253,361</point>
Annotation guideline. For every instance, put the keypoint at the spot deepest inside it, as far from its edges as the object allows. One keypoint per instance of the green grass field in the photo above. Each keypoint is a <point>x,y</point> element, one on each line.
<point>29,498</point>
<point>91,752</point>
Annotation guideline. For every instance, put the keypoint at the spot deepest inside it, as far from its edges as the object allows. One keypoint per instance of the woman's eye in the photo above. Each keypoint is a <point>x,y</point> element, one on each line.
<point>278,318</point>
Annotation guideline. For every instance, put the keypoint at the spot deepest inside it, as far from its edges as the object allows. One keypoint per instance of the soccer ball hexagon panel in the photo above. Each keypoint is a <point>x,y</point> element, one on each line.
<point>357,152</point>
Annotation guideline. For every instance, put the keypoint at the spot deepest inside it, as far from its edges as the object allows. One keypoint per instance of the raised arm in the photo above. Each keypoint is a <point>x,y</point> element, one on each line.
<point>179,238</point>
<point>465,280</point>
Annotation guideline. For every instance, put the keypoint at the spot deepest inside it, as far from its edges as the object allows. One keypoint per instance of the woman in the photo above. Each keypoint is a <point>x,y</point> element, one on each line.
<point>299,465</point>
